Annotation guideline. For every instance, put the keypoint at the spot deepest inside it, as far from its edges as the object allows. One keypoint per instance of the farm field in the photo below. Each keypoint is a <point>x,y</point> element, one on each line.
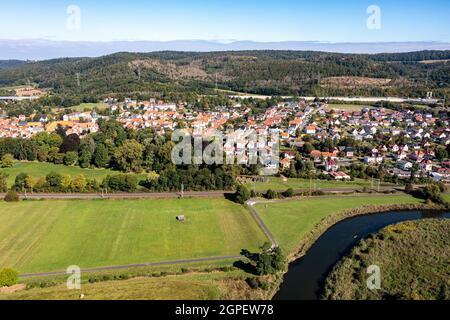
<point>41,169</point>
<point>41,236</point>
<point>277,184</point>
<point>291,221</point>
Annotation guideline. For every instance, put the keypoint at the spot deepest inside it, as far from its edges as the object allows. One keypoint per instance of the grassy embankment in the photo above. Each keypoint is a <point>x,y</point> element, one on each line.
<point>292,220</point>
<point>413,258</point>
<point>278,184</point>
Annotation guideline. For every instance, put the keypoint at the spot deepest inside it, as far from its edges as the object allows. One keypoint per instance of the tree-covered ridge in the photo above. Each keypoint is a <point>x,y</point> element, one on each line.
<point>264,72</point>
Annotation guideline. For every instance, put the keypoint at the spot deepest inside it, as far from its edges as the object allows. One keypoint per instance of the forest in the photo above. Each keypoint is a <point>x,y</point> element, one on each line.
<point>71,81</point>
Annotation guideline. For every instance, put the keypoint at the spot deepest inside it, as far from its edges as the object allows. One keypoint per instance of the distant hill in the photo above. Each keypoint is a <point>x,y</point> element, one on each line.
<point>262,72</point>
<point>47,49</point>
<point>7,64</point>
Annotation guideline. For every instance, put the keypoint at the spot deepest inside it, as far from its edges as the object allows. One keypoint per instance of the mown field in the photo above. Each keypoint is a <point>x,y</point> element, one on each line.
<point>277,184</point>
<point>413,257</point>
<point>85,107</point>
<point>290,221</point>
<point>41,169</point>
<point>39,236</point>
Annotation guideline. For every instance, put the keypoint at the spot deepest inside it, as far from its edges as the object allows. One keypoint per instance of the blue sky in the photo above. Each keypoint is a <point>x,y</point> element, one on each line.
<point>263,20</point>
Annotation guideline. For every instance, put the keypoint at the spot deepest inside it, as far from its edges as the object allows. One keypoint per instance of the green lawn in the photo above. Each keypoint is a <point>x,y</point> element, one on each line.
<point>347,107</point>
<point>38,236</point>
<point>277,184</point>
<point>85,107</point>
<point>290,221</point>
<point>41,169</point>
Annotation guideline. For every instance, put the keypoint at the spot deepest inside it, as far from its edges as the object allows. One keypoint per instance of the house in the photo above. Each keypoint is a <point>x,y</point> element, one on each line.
<point>331,165</point>
<point>374,159</point>
<point>310,130</point>
<point>285,163</point>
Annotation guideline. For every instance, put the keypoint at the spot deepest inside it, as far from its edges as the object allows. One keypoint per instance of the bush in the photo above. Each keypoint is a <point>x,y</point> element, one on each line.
<point>8,277</point>
<point>121,182</point>
<point>289,193</point>
<point>271,194</point>
<point>242,194</point>
<point>7,161</point>
<point>12,196</point>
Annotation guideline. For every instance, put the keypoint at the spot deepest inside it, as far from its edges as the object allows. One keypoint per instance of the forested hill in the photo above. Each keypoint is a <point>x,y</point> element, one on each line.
<point>263,72</point>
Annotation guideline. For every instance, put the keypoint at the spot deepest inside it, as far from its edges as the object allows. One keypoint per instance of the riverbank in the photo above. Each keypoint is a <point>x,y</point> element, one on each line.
<point>314,234</point>
<point>412,260</point>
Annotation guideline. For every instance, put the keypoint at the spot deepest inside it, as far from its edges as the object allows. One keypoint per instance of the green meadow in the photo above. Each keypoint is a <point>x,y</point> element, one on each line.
<point>290,221</point>
<point>40,236</point>
<point>41,169</point>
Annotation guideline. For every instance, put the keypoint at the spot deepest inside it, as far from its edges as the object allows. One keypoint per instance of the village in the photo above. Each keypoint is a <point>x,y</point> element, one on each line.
<point>405,142</point>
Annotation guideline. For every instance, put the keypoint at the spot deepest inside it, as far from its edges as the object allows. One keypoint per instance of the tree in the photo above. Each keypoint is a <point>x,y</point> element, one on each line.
<point>66,183</point>
<point>267,261</point>
<point>271,194</point>
<point>11,196</point>
<point>19,183</point>
<point>289,193</point>
<point>54,180</point>
<point>7,161</point>
<point>29,182</point>
<point>242,194</point>
<point>433,192</point>
<point>3,182</point>
<point>128,156</point>
<point>121,182</point>
<point>70,158</point>
<point>79,183</point>
<point>101,156</point>
<point>70,143</point>
<point>8,277</point>
<point>441,153</point>
<point>85,158</point>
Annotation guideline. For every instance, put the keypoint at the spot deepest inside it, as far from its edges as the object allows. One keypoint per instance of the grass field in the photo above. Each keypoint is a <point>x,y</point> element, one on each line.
<point>347,107</point>
<point>290,221</point>
<point>41,169</point>
<point>277,184</point>
<point>38,236</point>
<point>85,107</point>
<point>413,258</point>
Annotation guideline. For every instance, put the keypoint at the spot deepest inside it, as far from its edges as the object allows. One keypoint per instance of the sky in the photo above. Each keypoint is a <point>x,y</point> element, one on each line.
<point>226,20</point>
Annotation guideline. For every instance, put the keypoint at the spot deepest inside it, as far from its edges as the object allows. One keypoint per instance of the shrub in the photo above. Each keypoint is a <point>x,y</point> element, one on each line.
<point>252,282</point>
<point>271,194</point>
<point>8,277</point>
<point>7,161</point>
<point>242,194</point>
<point>289,193</point>
<point>11,196</point>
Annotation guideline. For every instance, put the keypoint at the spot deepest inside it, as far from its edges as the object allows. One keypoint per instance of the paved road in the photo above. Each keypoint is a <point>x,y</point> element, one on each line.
<point>261,223</point>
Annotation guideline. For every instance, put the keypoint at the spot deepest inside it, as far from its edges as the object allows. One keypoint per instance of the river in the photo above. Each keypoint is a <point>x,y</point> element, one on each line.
<point>304,279</point>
